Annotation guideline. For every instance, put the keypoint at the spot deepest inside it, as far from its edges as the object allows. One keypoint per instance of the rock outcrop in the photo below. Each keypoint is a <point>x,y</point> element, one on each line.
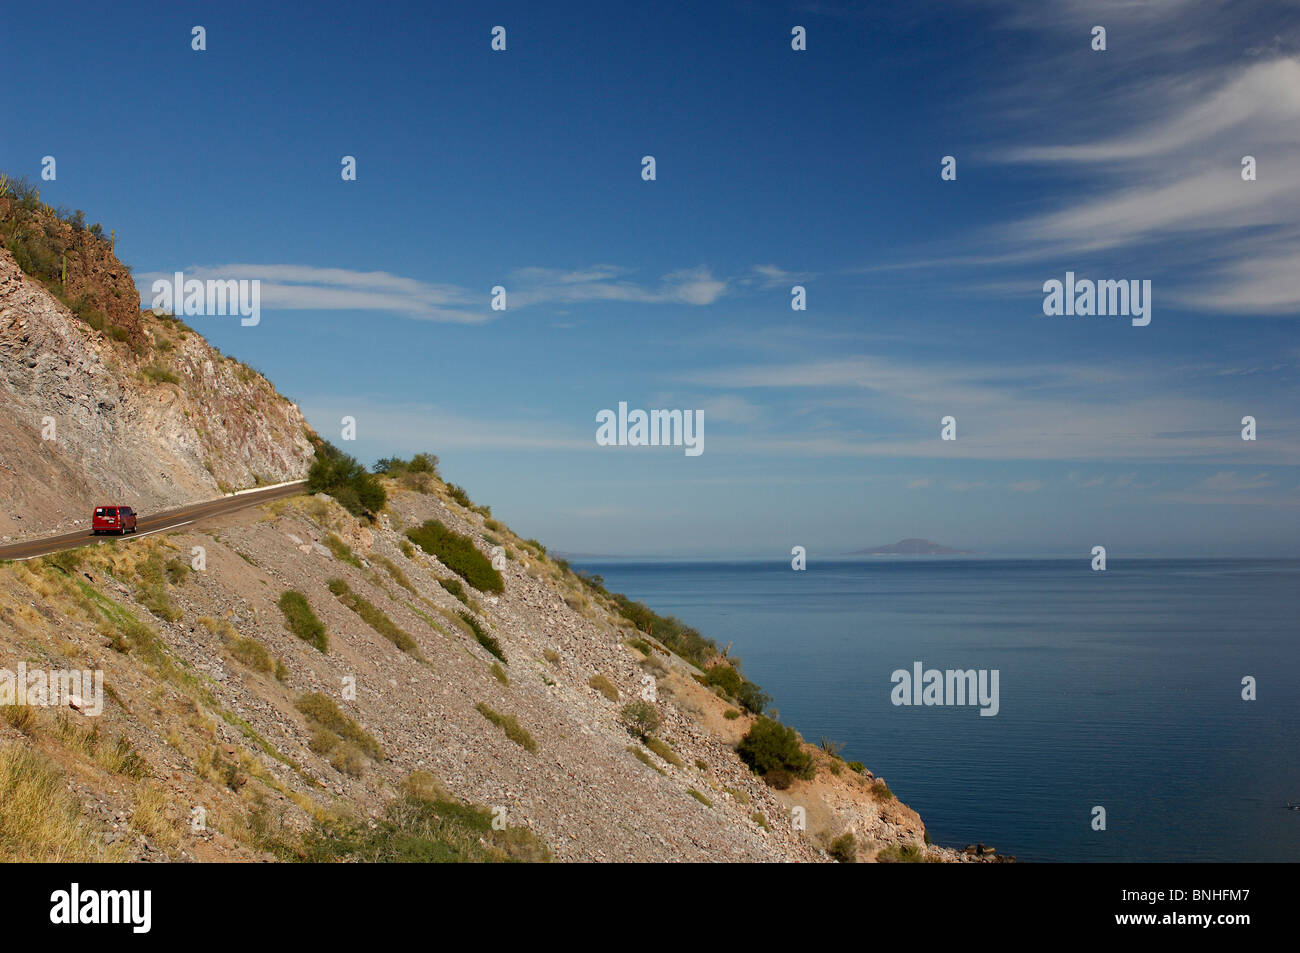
<point>152,417</point>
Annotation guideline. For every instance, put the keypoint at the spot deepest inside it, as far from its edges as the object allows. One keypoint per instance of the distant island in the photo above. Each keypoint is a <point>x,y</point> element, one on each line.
<point>910,547</point>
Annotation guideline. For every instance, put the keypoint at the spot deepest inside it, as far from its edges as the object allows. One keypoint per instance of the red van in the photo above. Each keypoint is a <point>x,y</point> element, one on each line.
<point>113,519</point>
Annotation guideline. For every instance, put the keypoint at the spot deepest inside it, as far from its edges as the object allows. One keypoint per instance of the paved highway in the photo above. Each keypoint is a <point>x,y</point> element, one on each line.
<point>157,523</point>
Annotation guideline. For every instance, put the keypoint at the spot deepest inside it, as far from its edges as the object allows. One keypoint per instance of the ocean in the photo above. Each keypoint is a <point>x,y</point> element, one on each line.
<point>1119,689</point>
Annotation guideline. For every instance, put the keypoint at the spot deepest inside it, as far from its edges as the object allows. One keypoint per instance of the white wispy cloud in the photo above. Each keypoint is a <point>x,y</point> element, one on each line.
<point>1154,166</point>
<point>871,406</point>
<point>691,286</point>
<point>1228,481</point>
<point>309,288</point>
<point>1026,486</point>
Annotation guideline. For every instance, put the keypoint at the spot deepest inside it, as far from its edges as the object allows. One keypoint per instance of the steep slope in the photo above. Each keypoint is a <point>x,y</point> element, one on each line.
<point>154,417</point>
<point>214,730</point>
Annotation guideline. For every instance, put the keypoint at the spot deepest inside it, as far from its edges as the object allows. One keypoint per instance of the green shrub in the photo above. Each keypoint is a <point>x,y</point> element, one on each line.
<point>640,718</point>
<point>664,750</point>
<point>844,848</point>
<point>644,757</point>
<point>420,463</point>
<point>253,654</point>
<point>341,550</point>
<point>500,674</point>
<point>323,713</point>
<point>901,854</point>
<point>880,791</point>
<point>459,554</point>
<point>335,473</point>
<point>484,639</point>
<point>395,571</point>
<point>725,677</point>
<point>455,588</point>
<point>699,797</point>
<point>773,751</point>
<point>752,698</point>
<point>510,725</point>
<point>374,617</point>
<point>420,473</point>
<point>642,646</point>
<point>301,621</point>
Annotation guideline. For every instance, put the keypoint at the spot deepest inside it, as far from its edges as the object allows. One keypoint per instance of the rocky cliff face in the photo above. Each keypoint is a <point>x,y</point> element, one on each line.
<point>148,414</point>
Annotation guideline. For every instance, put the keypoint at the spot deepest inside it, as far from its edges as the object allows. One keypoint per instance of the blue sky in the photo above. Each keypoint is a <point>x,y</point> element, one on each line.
<point>774,168</point>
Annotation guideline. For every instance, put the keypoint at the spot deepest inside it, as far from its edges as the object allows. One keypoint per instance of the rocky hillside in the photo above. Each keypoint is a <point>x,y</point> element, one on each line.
<point>100,401</point>
<point>282,721</point>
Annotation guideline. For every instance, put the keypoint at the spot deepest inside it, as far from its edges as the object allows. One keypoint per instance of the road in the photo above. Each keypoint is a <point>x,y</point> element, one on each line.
<point>156,523</point>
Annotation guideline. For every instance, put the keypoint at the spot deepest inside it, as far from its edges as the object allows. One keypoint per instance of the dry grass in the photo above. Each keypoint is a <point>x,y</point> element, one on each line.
<point>150,816</point>
<point>20,717</point>
<point>39,821</point>
<point>664,750</point>
<point>603,685</point>
<point>644,757</point>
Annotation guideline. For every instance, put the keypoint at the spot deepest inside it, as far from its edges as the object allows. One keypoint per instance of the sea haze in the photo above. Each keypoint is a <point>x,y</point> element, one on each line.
<point>1119,688</point>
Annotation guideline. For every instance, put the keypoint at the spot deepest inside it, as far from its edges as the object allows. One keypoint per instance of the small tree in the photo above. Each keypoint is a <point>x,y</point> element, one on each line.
<point>774,751</point>
<point>640,717</point>
<point>342,477</point>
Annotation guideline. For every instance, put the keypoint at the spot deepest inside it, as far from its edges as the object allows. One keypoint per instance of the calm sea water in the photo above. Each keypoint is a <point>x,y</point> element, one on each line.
<point>1119,688</point>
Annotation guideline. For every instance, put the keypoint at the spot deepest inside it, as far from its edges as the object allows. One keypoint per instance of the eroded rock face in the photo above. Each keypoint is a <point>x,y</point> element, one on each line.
<point>84,419</point>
